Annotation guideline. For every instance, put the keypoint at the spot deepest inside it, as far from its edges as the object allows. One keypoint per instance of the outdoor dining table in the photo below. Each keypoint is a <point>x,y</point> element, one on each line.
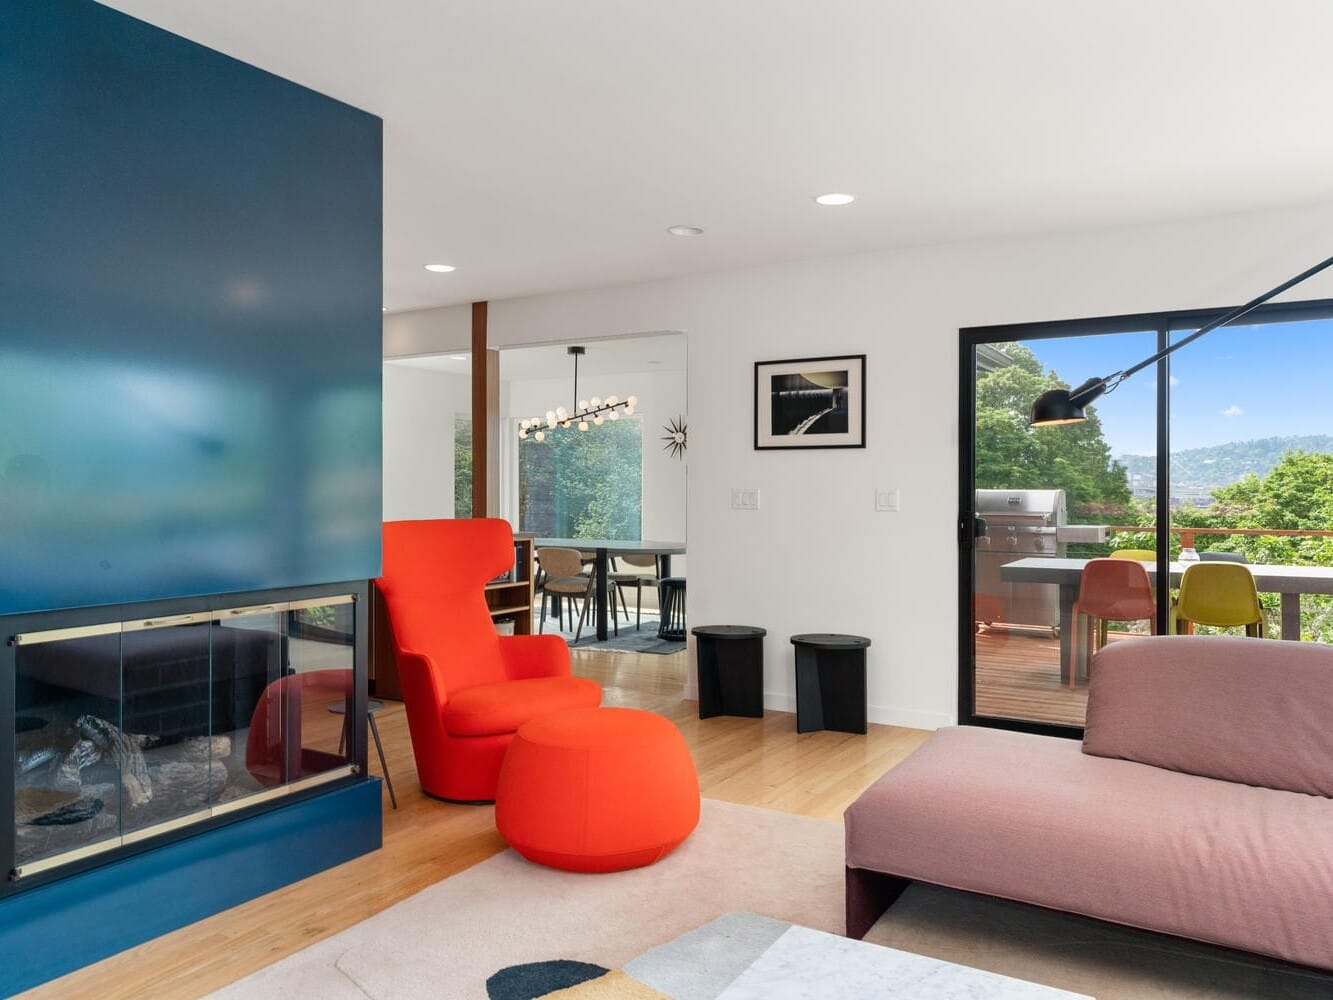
<point>605,548</point>
<point>1288,581</point>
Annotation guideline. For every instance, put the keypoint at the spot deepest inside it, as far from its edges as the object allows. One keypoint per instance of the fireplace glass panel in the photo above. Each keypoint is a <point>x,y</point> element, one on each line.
<point>146,726</point>
<point>67,775</point>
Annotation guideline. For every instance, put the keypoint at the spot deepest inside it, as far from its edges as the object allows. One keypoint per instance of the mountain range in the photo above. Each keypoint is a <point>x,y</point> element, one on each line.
<point>1223,464</point>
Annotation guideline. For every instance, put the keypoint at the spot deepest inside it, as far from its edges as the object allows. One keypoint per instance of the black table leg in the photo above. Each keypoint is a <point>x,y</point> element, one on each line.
<point>663,565</point>
<point>601,571</point>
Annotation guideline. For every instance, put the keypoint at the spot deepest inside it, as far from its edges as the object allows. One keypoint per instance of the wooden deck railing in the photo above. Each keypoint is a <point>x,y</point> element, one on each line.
<point>1187,534</point>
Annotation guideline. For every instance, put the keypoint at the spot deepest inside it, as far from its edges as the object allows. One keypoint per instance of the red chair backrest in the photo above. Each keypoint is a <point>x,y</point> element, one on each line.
<point>276,748</point>
<point>434,579</point>
<point>1116,587</point>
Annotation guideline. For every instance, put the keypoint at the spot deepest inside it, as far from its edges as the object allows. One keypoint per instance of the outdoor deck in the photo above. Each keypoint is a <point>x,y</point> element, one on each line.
<point>1018,677</point>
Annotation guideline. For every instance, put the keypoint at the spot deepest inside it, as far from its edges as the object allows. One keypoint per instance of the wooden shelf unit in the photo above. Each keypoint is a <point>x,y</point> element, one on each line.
<point>506,599</point>
<point>512,598</point>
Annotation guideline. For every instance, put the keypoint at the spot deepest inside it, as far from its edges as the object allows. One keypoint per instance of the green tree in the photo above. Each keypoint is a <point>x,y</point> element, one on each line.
<point>1074,458</point>
<point>1296,495</point>
<point>463,467</point>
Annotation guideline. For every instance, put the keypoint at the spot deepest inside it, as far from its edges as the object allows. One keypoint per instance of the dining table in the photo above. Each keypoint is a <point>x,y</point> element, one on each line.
<point>603,549</point>
<point>1289,582</point>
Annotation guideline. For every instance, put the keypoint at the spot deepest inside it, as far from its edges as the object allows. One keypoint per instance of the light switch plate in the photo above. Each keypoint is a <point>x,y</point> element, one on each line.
<point>746,498</point>
<point>886,500</point>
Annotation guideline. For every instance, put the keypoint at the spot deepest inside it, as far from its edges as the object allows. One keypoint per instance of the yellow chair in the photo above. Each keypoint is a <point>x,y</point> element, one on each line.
<point>1221,594</point>
<point>1142,555</point>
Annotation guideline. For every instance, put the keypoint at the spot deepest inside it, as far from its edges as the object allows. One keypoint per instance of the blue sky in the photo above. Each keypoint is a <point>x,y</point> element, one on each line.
<point>1234,384</point>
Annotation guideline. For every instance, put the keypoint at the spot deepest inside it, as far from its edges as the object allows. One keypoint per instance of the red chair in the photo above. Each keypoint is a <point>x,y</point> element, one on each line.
<point>290,719</point>
<point>465,688</point>
<point>1117,590</point>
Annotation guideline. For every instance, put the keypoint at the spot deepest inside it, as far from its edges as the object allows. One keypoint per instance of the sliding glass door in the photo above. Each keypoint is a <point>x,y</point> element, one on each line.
<point>1232,437</point>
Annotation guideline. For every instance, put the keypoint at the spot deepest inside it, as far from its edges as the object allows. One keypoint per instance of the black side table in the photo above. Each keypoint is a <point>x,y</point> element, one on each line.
<point>830,682</point>
<point>731,670</point>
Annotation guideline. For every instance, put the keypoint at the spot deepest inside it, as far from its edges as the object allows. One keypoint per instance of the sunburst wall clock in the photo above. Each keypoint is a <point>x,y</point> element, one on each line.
<point>675,437</point>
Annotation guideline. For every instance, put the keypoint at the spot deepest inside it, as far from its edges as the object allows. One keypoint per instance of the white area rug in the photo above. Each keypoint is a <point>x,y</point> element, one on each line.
<point>448,939</point>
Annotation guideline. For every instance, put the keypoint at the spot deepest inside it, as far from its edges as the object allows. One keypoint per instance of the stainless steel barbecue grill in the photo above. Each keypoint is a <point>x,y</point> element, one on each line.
<point>1019,524</point>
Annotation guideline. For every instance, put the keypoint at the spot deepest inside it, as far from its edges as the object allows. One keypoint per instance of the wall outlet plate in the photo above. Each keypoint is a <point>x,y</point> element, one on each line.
<point>746,498</point>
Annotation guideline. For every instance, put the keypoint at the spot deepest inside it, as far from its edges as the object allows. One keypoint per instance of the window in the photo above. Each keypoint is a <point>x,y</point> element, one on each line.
<point>583,485</point>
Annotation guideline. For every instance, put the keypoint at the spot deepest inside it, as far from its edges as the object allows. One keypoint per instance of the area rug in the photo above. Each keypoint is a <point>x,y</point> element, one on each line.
<point>449,939</point>
<point>641,640</point>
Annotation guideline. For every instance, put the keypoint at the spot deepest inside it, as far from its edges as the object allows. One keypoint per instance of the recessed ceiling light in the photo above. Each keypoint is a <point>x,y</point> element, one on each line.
<point>440,268</point>
<point>835,199</point>
<point>685,230</point>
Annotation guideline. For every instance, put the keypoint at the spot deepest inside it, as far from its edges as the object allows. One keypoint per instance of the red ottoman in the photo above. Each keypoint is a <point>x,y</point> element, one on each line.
<point>597,790</point>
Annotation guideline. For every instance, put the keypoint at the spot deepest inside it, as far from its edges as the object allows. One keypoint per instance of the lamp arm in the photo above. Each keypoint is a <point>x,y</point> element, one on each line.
<point>1094,388</point>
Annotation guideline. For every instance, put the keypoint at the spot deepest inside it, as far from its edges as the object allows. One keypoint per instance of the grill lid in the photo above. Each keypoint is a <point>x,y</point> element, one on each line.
<point>1030,507</point>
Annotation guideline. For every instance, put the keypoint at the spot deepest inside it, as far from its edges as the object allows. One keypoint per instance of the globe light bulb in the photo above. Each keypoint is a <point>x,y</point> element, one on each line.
<point>597,420</point>
<point>523,434</point>
<point>596,401</point>
<point>583,425</point>
<point>540,435</point>
<point>551,423</point>
<point>614,415</point>
<point>561,412</point>
<point>629,410</point>
<point>612,400</point>
<point>583,404</point>
<point>565,424</point>
<point>525,424</point>
<point>632,400</point>
<point>550,415</point>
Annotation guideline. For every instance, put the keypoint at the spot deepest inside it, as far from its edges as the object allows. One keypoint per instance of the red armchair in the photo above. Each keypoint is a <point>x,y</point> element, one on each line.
<point>466,689</point>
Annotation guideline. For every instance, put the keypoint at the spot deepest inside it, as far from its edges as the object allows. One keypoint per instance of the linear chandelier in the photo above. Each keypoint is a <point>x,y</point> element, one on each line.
<point>587,412</point>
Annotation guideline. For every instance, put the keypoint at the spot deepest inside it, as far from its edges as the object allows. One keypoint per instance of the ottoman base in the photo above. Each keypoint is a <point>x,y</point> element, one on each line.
<point>597,790</point>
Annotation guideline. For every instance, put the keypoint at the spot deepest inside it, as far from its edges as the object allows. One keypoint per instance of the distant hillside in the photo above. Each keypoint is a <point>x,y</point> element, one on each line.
<point>1223,464</point>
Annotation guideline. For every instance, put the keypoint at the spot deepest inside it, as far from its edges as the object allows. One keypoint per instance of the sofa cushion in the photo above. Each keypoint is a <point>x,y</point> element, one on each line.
<point>1249,710</point>
<point>1031,818</point>
<point>488,709</point>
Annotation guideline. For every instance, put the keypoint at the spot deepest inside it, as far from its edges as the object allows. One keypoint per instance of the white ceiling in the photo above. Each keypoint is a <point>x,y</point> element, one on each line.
<point>543,145</point>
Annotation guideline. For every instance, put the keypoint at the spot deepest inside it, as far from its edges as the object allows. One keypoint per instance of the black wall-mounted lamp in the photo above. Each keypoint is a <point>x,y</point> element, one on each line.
<point>1065,406</point>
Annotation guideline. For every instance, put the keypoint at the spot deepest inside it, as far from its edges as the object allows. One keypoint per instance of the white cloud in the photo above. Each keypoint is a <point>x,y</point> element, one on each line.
<point>1232,411</point>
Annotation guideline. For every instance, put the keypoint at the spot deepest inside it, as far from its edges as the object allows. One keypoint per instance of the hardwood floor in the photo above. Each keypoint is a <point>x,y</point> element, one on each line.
<point>762,762</point>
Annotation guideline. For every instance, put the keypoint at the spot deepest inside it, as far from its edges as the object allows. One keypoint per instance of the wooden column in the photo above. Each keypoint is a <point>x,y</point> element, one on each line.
<point>485,419</point>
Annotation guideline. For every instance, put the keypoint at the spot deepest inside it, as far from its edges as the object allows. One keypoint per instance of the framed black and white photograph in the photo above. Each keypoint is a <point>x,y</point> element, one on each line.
<point>810,403</point>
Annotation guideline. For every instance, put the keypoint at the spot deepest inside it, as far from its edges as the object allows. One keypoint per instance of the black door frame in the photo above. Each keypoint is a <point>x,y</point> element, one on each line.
<point>1164,324</point>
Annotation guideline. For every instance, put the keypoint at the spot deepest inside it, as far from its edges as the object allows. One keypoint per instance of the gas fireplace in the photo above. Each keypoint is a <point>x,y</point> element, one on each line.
<point>134,729</point>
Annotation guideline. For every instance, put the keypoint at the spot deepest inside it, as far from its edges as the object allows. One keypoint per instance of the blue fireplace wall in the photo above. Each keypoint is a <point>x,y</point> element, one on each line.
<point>190,345</point>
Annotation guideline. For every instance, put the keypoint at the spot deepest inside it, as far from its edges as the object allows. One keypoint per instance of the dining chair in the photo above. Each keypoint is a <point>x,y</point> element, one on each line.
<point>1142,555</point>
<point>1220,594</point>
<point>636,580</point>
<point>1110,590</point>
<point>563,579</point>
<point>1235,557</point>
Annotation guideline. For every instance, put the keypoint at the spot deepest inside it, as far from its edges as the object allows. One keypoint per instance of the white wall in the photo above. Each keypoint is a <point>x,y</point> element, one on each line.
<point>420,407</point>
<point>816,556</point>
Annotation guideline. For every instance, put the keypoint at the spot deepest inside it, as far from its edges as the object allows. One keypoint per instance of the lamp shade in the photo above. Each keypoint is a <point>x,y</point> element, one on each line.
<point>1054,407</point>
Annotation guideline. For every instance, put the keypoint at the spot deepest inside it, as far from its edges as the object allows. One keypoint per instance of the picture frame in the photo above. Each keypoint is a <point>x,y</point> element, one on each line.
<point>810,403</point>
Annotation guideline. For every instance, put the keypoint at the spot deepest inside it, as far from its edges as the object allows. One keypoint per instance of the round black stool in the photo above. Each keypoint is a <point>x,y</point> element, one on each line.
<point>830,682</point>
<point>671,598</point>
<point>731,670</point>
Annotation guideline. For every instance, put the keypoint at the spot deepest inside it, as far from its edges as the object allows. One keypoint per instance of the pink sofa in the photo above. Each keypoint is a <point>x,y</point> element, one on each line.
<point>1199,804</point>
